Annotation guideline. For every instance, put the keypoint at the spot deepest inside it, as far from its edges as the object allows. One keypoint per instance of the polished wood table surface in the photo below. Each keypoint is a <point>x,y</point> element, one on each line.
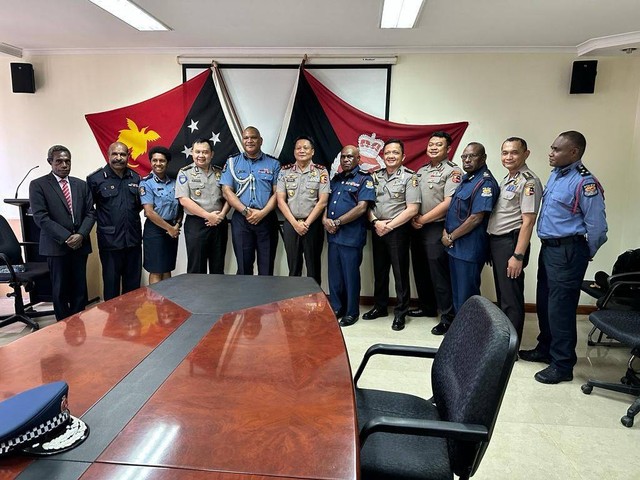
<point>263,392</point>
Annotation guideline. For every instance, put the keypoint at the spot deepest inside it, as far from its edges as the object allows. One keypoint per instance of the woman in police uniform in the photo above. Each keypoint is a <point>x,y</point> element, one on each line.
<point>164,217</point>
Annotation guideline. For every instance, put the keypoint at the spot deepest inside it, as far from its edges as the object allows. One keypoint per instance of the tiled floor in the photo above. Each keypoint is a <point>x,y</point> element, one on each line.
<point>543,431</point>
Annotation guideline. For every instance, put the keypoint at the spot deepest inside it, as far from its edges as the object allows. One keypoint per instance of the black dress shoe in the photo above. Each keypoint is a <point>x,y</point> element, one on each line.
<point>440,329</point>
<point>551,375</point>
<point>422,312</point>
<point>374,313</point>
<point>398,323</point>
<point>338,315</point>
<point>534,355</point>
<point>348,320</point>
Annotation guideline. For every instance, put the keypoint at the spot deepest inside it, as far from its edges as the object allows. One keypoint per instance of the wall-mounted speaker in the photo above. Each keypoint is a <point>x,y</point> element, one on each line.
<point>22,78</point>
<point>583,76</point>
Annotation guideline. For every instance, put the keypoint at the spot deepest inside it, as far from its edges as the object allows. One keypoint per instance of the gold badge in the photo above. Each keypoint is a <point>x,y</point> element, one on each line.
<point>198,193</point>
<point>291,193</point>
<point>312,191</point>
<point>218,175</point>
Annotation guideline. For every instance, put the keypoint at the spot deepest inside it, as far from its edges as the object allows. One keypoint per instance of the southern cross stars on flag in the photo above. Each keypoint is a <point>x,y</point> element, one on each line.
<point>173,119</point>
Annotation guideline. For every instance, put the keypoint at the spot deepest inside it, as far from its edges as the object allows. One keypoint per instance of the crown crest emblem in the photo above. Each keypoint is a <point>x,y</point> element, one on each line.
<point>369,145</point>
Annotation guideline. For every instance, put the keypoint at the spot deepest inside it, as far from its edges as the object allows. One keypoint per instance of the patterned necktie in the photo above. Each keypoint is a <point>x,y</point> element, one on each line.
<point>67,193</point>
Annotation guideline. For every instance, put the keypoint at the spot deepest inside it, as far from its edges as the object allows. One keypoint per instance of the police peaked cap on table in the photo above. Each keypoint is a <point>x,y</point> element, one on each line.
<point>38,422</point>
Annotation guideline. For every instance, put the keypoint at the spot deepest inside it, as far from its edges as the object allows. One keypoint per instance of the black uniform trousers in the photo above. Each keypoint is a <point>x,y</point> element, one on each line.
<point>308,245</point>
<point>121,270</point>
<point>431,270</point>
<point>344,278</point>
<point>510,291</point>
<point>251,239</point>
<point>206,246</point>
<point>392,250</point>
<point>68,283</point>
<point>561,267</point>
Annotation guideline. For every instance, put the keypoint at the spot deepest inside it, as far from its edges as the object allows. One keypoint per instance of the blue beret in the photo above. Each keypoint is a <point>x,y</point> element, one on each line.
<point>38,422</point>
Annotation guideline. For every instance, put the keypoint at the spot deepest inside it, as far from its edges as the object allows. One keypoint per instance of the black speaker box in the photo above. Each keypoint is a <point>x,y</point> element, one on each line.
<point>583,76</point>
<point>22,79</point>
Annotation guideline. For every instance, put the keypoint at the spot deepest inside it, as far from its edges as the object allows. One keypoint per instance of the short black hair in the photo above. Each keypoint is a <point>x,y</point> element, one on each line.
<point>442,134</point>
<point>162,151</point>
<point>54,149</point>
<point>522,141</point>
<point>395,140</point>
<point>203,140</point>
<point>479,145</point>
<point>577,140</point>
<point>307,138</point>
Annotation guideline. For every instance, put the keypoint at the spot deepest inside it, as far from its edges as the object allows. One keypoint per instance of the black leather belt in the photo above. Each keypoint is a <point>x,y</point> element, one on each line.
<point>556,242</point>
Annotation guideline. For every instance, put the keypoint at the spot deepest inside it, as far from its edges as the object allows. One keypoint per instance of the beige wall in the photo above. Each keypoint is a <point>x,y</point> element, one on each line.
<point>498,94</point>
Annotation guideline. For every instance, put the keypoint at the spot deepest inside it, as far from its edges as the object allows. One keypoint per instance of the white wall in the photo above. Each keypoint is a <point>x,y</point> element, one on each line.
<point>500,95</point>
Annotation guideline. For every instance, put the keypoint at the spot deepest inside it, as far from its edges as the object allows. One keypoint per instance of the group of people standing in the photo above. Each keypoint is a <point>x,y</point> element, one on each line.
<point>448,220</point>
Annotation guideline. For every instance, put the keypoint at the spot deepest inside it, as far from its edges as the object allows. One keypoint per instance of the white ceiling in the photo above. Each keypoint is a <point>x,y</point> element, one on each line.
<point>278,27</point>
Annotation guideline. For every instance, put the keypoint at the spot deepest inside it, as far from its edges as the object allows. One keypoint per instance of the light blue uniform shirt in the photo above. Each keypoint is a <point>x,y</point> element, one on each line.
<point>161,194</point>
<point>251,180</point>
<point>573,204</point>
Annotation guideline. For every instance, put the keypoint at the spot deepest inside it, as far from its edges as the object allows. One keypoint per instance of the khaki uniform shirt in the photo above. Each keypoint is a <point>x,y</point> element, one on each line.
<point>518,195</point>
<point>303,187</point>
<point>437,183</point>
<point>394,192</point>
<point>202,188</point>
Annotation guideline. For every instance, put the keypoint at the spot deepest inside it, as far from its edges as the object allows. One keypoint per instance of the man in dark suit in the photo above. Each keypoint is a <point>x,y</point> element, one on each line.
<point>62,207</point>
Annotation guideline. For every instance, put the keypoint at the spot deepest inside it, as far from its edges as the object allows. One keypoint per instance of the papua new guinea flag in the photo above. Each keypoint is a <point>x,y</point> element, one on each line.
<point>173,119</point>
<point>333,123</point>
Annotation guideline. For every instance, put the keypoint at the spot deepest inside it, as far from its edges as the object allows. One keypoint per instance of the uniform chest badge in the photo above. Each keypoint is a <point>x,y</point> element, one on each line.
<point>198,192</point>
<point>291,193</point>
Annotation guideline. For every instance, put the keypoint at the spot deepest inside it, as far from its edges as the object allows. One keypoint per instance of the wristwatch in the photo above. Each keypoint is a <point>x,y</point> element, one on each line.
<point>245,211</point>
<point>518,256</point>
<point>337,222</point>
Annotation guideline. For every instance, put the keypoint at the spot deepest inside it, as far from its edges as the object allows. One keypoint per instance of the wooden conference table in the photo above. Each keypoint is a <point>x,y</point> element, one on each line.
<point>199,377</point>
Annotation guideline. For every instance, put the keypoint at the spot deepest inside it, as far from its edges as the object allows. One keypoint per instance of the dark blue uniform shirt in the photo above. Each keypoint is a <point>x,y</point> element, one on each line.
<point>252,180</point>
<point>117,207</point>
<point>347,190</point>
<point>477,192</point>
<point>573,204</point>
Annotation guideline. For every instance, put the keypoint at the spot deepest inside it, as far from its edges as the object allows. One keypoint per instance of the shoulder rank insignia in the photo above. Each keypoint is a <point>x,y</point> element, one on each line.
<point>582,170</point>
<point>95,171</point>
<point>451,164</point>
<point>527,175</point>
<point>287,166</point>
<point>408,170</point>
<point>414,180</point>
<point>318,166</point>
<point>187,167</point>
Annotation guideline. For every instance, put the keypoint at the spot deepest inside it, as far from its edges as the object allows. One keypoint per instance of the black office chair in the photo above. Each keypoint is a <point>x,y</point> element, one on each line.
<point>406,437</point>
<point>18,274</point>
<point>623,326</point>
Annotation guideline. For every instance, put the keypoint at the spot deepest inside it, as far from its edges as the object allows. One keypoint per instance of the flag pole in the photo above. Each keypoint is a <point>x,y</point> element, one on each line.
<point>282,134</point>
<point>227,105</point>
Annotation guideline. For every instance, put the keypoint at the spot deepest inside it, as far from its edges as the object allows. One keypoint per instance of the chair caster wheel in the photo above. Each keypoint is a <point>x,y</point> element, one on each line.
<point>587,389</point>
<point>627,421</point>
<point>624,381</point>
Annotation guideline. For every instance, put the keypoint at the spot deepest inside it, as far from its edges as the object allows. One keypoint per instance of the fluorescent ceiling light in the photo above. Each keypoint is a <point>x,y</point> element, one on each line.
<point>132,14</point>
<point>400,13</point>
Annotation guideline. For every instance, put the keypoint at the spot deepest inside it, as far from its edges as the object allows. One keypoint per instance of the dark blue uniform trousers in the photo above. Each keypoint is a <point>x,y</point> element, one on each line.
<point>561,269</point>
<point>69,283</point>
<point>121,270</point>
<point>465,280</point>
<point>344,278</point>
<point>248,239</point>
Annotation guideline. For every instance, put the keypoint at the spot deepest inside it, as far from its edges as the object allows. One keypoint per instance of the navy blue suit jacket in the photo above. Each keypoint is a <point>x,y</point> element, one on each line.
<point>52,215</point>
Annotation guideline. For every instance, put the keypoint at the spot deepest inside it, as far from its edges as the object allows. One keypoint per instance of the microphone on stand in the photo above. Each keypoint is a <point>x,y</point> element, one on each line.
<point>23,179</point>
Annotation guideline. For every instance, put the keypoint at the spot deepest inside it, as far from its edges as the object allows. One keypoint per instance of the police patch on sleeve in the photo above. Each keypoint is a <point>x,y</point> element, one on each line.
<point>530,189</point>
<point>142,191</point>
<point>324,178</point>
<point>414,181</point>
<point>486,192</point>
<point>369,184</point>
<point>182,178</point>
<point>590,189</point>
<point>456,177</point>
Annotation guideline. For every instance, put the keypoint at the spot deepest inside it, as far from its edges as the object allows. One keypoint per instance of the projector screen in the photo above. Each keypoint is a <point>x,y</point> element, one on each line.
<point>260,94</point>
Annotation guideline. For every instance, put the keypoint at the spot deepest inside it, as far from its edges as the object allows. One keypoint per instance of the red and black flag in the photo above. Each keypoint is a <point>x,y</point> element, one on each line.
<point>333,123</point>
<point>173,119</point>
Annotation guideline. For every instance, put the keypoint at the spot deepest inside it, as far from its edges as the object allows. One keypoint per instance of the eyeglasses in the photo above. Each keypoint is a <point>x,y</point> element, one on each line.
<point>470,155</point>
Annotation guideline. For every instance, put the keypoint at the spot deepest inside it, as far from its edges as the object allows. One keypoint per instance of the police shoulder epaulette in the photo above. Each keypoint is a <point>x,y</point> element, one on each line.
<point>451,164</point>
<point>408,170</point>
<point>271,157</point>
<point>287,166</point>
<point>217,167</point>
<point>95,171</point>
<point>486,174</point>
<point>187,167</point>
<point>148,177</point>
<point>319,166</point>
<point>527,175</point>
<point>582,170</point>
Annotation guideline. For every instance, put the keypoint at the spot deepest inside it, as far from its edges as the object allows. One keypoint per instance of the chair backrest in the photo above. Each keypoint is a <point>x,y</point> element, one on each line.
<point>9,244</point>
<point>470,374</point>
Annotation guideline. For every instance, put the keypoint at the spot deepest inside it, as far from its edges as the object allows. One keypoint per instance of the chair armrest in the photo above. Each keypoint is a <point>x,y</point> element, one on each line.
<point>394,350</point>
<point>614,287</point>
<point>424,428</point>
<point>4,259</point>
